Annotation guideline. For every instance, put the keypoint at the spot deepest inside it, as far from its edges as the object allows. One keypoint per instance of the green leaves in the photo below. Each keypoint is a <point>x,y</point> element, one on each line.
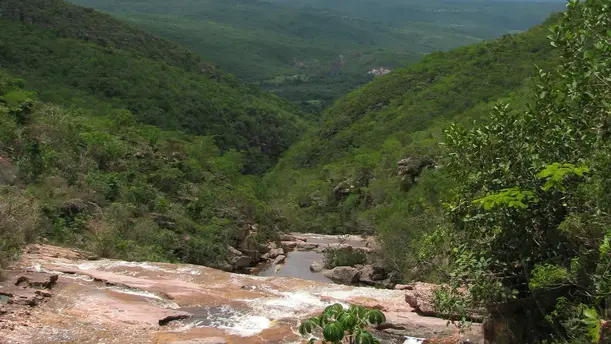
<point>593,322</point>
<point>334,332</point>
<point>556,173</point>
<point>338,324</point>
<point>512,198</point>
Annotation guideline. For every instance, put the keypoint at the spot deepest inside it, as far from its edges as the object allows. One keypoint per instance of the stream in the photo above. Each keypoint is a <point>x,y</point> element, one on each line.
<point>297,263</point>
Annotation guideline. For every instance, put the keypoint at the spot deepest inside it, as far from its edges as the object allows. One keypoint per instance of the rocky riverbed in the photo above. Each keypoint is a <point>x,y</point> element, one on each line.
<point>56,295</point>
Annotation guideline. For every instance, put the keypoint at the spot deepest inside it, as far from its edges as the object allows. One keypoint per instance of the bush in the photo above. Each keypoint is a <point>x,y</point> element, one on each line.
<point>344,257</point>
<point>20,223</point>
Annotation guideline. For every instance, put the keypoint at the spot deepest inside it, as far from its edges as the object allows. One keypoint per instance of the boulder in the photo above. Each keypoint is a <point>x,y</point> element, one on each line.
<point>316,267</point>
<point>275,253</point>
<point>343,275</point>
<point>372,273</point>
<point>420,297</point>
<point>280,259</point>
<point>237,260</point>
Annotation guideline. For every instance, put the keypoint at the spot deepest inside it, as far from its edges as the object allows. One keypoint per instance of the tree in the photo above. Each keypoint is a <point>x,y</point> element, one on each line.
<point>340,325</point>
<point>531,216</point>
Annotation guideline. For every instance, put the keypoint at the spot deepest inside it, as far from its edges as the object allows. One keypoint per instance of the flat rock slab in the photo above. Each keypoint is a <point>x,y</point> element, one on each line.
<point>110,301</point>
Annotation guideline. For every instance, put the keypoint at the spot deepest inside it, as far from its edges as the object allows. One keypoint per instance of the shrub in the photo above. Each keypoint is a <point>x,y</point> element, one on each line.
<point>344,257</point>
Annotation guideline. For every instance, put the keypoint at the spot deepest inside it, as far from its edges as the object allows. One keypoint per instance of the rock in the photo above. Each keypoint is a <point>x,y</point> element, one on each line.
<point>316,267</point>
<point>280,259</point>
<point>343,275</point>
<point>275,253</point>
<point>373,273</point>
<point>266,256</point>
<point>254,255</point>
<point>420,297</point>
<point>292,237</point>
<point>298,245</point>
<point>288,245</point>
<point>237,260</point>
<point>401,287</point>
<point>306,246</point>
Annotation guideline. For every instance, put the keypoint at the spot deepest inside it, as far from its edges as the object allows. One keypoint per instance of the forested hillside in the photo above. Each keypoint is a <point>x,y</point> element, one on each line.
<point>312,55</point>
<point>80,57</point>
<point>117,188</point>
<point>373,164</point>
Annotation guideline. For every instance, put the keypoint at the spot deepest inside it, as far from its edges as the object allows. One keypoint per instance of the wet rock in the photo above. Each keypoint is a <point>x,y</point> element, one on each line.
<point>316,267</point>
<point>343,275</point>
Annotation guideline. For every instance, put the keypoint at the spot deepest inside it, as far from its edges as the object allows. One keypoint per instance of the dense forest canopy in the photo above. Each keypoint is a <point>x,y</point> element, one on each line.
<point>77,56</point>
<point>313,54</point>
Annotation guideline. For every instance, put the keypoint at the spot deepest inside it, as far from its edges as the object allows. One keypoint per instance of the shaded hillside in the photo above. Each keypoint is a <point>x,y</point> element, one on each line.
<point>344,175</point>
<point>78,56</point>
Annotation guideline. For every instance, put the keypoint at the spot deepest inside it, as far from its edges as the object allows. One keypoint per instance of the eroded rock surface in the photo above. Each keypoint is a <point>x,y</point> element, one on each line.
<point>113,301</point>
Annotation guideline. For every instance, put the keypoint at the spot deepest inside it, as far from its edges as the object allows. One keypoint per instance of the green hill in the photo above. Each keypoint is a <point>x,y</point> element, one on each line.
<point>296,52</point>
<point>343,176</point>
<point>77,56</point>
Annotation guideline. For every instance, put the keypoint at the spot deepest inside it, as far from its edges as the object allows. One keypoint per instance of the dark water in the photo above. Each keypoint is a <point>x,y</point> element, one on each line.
<point>297,264</point>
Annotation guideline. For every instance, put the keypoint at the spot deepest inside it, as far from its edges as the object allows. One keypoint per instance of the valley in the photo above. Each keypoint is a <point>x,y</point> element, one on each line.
<point>311,53</point>
<point>343,172</point>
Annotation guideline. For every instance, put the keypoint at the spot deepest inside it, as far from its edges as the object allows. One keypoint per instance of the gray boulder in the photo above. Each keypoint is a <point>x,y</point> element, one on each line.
<point>316,267</point>
<point>343,275</point>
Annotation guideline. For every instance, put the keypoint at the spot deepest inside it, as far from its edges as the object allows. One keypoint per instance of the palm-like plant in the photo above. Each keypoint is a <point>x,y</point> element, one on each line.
<point>340,325</point>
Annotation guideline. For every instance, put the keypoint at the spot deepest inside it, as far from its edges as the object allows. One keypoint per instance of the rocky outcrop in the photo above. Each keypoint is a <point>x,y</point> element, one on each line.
<point>128,302</point>
<point>343,275</point>
<point>238,260</point>
<point>409,169</point>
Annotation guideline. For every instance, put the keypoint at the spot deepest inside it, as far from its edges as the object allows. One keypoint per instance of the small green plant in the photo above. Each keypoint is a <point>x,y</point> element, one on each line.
<point>340,325</point>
